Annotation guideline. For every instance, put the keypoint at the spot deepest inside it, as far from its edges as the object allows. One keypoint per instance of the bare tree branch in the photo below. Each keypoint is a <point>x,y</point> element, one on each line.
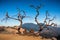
<point>51,20</point>
<point>19,17</point>
<point>3,19</point>
<point>53,24</point>
<point>47,14</point>
<point>37,10</point>
<point>6,17</point>
<point>24,12</point>
<point>32,6</point>
<point>36,17</point>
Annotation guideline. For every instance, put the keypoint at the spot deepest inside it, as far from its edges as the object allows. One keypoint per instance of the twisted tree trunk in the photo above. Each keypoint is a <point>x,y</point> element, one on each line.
<point>20,26</point>
<point>41,28</point>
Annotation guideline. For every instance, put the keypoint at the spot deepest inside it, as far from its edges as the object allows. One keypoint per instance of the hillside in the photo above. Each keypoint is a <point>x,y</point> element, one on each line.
<point>9,33</point>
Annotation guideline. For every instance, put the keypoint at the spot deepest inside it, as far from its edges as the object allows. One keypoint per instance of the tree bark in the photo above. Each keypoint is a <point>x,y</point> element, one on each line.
<point>41,28</point>
<point>20,26</point>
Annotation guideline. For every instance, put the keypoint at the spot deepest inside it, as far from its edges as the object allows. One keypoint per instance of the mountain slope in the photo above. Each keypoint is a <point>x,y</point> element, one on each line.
<point>49,31</point>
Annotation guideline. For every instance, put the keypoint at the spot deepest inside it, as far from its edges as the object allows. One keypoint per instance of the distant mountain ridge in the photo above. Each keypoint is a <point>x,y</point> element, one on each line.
<point>29,26</point>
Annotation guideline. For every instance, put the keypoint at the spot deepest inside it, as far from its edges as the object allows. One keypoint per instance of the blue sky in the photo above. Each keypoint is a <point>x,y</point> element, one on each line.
<point>53,6</point>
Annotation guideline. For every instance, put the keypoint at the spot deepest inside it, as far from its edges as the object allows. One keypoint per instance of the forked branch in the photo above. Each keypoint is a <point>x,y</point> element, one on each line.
<point>47,14</point>
<point>51,20</point>
<point>37,11</point>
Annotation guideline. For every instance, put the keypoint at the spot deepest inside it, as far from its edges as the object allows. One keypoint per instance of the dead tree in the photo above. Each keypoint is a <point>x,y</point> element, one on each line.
<point>37,11</point>
<point>48,20</point>
<point>19,18</point>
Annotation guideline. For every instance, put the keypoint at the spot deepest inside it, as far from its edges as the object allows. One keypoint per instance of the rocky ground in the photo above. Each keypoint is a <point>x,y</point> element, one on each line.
<point>10,34</point>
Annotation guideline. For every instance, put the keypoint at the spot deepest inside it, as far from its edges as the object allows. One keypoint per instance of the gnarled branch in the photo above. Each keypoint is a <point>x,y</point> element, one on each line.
<point>37,10</point>
<point>51,20</point>
<point>19,17</point>
<point>47,14</point>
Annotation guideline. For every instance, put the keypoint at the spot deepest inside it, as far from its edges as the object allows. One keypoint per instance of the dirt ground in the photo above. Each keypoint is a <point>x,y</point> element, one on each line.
<point>10,34</point>
<point>19,37</point>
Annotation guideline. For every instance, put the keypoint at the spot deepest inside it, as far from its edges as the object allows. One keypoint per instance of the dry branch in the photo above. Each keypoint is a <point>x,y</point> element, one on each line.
<point>47,14</point>
<point>51,20</point>
<point>37,11</point>
<point>19,17</point>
